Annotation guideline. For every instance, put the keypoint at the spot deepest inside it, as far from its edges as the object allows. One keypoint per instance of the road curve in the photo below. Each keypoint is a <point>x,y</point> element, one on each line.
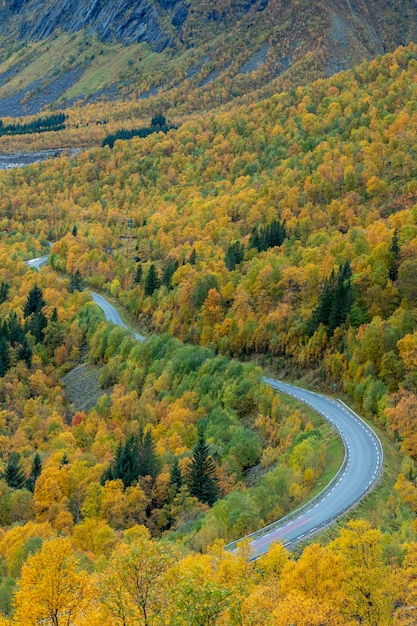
<point>38,262</point>
<point>110,312</point>
<point>359,472</point>
<point>112,315</point>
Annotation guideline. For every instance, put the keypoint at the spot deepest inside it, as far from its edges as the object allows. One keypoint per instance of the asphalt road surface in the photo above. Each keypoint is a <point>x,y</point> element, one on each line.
<point>38,262</point>
<point>112,315</point>
<point>359,472</point>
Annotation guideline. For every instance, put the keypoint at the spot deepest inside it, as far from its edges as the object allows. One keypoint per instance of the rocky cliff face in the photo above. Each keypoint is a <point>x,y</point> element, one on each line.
<point>374,25</point>
<point>156,23</point>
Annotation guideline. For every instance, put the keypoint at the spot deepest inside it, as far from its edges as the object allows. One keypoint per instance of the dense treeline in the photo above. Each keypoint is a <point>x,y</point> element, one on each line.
<point>45,124</point>
<point>158,125</point>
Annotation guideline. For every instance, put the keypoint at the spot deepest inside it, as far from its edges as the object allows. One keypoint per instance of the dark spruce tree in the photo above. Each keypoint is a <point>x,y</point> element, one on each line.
<point>76,282</point>
<point>13,474</point>
<point>148,461</point>
<point>152,282</point>
<point>335,301</point>
<point>158,124</point>
<point>138,274</point>
<point>158,121</point>
<point>234,255</point>
<point>34,302</point>
<point>137,457</point>
<point>15,332</point>
<point>64,461</point>
<point>275,234</point>
<point>36,325</point>
<point>126,464</point>
<point>342,298</point>
<point>268,236</point>
<point>175,479</point>
<point>322,311</point>
<point>35,472</point>
<point>107,475</point>
<point>169,271</point>
<point>394,261</point>
<point>4,356</point>
<point>4,292</point>
<point>200,476</point>
<point>192,259</point>
<point>24,352</point>
<point>36,321</point>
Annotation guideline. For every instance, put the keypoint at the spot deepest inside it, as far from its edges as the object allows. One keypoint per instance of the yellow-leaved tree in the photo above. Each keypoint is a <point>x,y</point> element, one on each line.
<point>372,587</point>
<point>52,590</point>
<point>134,588</point>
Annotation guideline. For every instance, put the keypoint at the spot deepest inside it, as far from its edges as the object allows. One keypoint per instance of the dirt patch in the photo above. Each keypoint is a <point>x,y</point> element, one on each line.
<point>82,387</point>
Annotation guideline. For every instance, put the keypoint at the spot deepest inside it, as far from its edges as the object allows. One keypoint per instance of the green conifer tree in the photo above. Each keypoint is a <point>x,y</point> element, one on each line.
<point>107,475</point>
<point>151,281</point>
<point>126,464</point>
<point>4,291</point>
<point>175,479</point>
<point>13,327</point>
<point>76,282</point>
<point>234,255</point>
<point>192,259</point>
<point>64,460</point>
<point>169,271</point>
<point>148,462</point>
<point>395,256</point>
<point>13,474</point>
<point>36,325</point>
<point>138,274</point>
<point>34,302</point>
<point>35,472</point>
<point>25,352</point>
<point>200,476</point>
<point>4,356</point>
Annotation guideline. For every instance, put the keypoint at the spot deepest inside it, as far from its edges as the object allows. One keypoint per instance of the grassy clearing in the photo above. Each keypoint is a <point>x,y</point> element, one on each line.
<point>39,59</point>
<point>103,64</point>
<point>115,65</point>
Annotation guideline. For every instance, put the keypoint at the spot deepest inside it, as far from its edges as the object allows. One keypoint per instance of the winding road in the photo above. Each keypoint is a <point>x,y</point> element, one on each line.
<point>359,472</point>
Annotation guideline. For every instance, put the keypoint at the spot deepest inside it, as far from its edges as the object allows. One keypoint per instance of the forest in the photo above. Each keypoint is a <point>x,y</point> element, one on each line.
<point>38,125</point>
<point>278,237</point>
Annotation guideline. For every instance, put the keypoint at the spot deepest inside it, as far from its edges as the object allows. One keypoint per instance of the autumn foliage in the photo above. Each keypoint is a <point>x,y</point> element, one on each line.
<point>284,230</point>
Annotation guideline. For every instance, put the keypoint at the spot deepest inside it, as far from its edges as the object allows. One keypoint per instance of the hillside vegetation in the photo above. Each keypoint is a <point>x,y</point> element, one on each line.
<point>284,230</point>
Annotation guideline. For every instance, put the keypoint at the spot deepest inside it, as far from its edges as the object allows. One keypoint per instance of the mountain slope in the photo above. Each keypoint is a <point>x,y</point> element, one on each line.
<point>191,46</point>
